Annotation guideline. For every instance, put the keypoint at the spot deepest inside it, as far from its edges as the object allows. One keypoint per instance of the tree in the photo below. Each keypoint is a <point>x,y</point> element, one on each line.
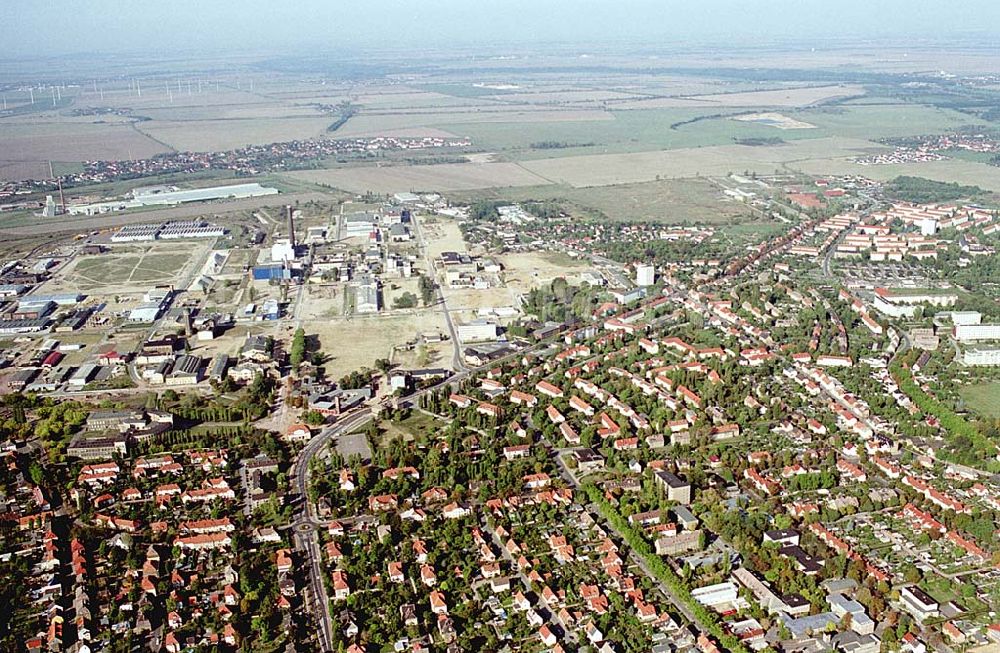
<point>314,418</point>
<point>426,290</point>
<point>406,300</point>
<point>36,472</point>
<point>298,350</point>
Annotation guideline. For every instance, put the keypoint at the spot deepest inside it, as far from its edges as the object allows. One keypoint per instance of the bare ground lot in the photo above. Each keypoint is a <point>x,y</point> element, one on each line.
<point>324,300</point>
<point>525,271</point>
<point>445,177</point>
<point>358,341</point>
<point>440,234</point>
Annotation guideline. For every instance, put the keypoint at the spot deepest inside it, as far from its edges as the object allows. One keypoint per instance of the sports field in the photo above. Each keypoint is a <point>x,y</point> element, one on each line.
<point>129,268</point>
<point>983,399</point>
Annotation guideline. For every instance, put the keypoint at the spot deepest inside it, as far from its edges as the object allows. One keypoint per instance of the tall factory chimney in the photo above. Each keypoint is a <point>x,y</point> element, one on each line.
<point>291,226</point>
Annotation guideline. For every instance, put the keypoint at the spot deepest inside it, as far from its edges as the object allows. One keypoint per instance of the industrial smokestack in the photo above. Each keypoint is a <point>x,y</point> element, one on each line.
<point>291,226</point>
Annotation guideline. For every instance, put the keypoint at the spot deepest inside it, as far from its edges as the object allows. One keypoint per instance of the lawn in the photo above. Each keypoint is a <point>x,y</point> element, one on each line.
<point>983,399</point>
<point>414,427</point>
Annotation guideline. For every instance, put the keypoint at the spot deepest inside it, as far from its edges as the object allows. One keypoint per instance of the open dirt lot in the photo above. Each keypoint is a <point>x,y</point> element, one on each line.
<point>780,121</point>
<point>352,343</point>
<point>525,271</point>
<point>323,301</point>
<point>451,176</point>
<point>440,234</point>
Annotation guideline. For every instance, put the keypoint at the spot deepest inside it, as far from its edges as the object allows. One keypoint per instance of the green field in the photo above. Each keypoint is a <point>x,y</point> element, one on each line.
<point>669,201</point>
<point>983,399</point>
<point>883,121</point>
<point>650,129</point>
<point>630,131</point>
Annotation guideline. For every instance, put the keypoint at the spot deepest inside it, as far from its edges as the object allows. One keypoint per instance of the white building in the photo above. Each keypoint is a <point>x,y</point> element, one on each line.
<point>477,330</point>
<point>972,332</point>
<point>359,224</point>
<point>282,251</point>
<point>145,313</point>
<point>893,310</point>
<point>713,595</point>
<point>981,356</point>
<point>645,274</point>
<point>366,298</point>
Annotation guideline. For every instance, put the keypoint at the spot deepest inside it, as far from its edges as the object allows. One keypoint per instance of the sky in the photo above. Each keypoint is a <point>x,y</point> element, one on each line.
<point>54,27</point>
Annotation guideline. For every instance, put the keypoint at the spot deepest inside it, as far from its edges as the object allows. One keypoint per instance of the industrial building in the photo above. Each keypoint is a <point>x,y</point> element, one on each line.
<point>83,376</point>
<point>171,196</point>
<point>272,272</point>
<point>359,224</point>
<point>477,330</point>
<point>12,290</point>
<point>24,326</point>
<point>366,296</point>
<point>62,299</point>
<point>30,309</point>
<point>186,371</point>
<point>145,313</point>
<point>167,231</point>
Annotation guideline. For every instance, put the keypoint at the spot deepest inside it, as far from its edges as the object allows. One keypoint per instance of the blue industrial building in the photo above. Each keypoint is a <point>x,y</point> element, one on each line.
<point>273,271</point>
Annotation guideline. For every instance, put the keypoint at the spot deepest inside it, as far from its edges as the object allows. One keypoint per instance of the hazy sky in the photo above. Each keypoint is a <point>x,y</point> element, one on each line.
<point>33,27</point>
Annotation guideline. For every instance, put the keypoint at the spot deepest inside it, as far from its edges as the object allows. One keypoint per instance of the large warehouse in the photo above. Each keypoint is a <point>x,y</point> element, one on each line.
<point>171,195</point>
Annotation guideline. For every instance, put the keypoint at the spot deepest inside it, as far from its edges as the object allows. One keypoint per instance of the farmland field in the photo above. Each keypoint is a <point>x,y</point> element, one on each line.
<point>203,135</point>
<point>445,177</point>
<point>26,148</point>
<point>790,97</point>
<point>883,121</point>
